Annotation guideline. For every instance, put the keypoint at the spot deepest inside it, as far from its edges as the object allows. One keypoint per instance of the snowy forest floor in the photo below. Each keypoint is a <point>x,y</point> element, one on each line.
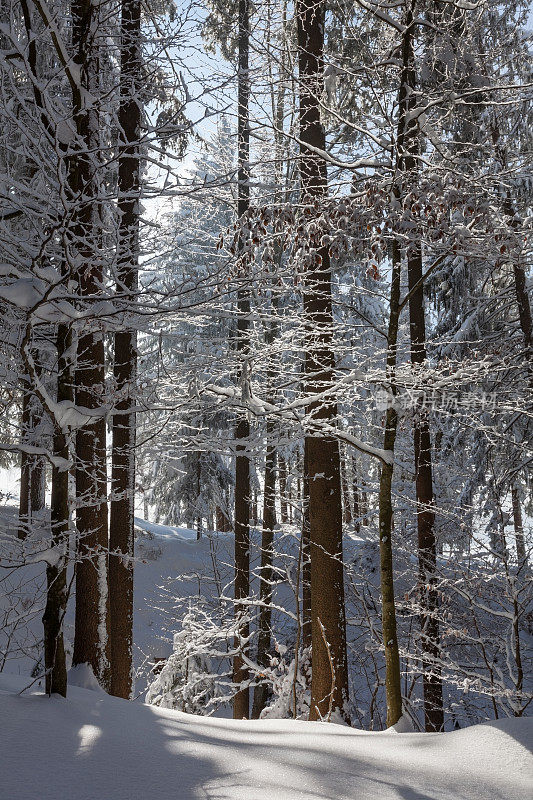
<point>95,747</point>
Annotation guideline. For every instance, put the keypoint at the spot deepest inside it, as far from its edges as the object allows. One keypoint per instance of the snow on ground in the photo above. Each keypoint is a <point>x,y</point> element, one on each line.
<point>170,563</point>
<point>166,558</point>
<point>95,747</point>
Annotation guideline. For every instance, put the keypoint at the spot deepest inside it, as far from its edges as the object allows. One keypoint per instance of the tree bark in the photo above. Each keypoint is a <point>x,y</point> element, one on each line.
<point>56,573</point>
<point>32,468</point>
<point>356,496</point>
<point>25,470</point>
<point>346,505</point>
<point>388,607</point>
<point>521,553</point>
<point>90,637</point>
<point>329,690</point>
<point>427,552</point>
<point>241,701</point>
<point>261,691</point>
<point>282,470</point>
<point>222,522</point>
<point>306,560</point>
<point>121,534</point>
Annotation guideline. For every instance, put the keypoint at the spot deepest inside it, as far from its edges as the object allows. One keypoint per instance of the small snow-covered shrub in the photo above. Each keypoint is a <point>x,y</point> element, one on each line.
<point>291,681</point>
<point>188,680</point>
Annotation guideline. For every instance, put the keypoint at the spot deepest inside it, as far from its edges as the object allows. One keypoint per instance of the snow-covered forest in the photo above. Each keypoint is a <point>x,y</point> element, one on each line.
<point>266,398</point>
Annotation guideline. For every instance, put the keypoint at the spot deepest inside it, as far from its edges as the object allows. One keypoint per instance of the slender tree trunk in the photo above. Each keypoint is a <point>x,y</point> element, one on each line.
<point>388,608</point>
<point>37,486</point>
<point>222,522</point>
<point>346,505</point>
<point>56,573</point>
<point>356,496</point>
<point>261,691</point>
<point>32,468</point>
<point>363,503</point>
<point>284,514</point>
<point>306,560</point>
<point>329,691</point>
<point>241,701</point>
<point>25,470</point>
<point>521,554</point>
<point>121,535</point>
<point>427,552</point>
<point>519,274</point>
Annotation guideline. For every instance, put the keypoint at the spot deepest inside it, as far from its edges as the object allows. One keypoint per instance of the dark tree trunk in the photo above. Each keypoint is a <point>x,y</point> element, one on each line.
<point>346,505</point>
<point>427,551</point>
<point>121,534</point>
<point>25,471</point>
<point>90,637</point>
<point>521,553</point>
<point>37,486</point>
<point>255,517</point>
<point>56,574</point>
<point>306,560</point>
<point>356,496</point>
<point>32,467</point>
<point>329,691</point>
<point>284,513</point>
<point>241,702</point>
<point>388,608</point>
<point>363,504</point>
<point>222,522</point>
<point>519,274</point>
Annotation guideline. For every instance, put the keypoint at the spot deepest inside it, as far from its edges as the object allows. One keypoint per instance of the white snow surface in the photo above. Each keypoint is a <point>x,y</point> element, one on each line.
<point>94,747</point>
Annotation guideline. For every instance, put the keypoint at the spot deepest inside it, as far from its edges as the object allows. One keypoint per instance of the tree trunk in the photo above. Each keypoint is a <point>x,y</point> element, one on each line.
<point>356,496</point>
<point>521,554</point>
<point>346,505</point>
<point>56,574</point>
<point>363,504</point>
<point>306,560</point>
<point>90,638</point>
<point>222,522</point>
<point>241,701</point>
<point>121,538</point>
<point>284,514</point>
<point>427,552</point>
<point>388,608</point>
<point>25,470</point>
<point>261,691</point>
<point>32,468</point>
<point>329,690</point>
<point>519,274</point>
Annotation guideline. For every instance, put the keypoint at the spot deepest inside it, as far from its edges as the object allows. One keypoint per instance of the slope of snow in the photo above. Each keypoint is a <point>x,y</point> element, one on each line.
<point>94,747</point>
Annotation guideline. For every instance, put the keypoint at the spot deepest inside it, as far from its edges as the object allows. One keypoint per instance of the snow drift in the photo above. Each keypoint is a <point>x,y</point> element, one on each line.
<point>95,747</point>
